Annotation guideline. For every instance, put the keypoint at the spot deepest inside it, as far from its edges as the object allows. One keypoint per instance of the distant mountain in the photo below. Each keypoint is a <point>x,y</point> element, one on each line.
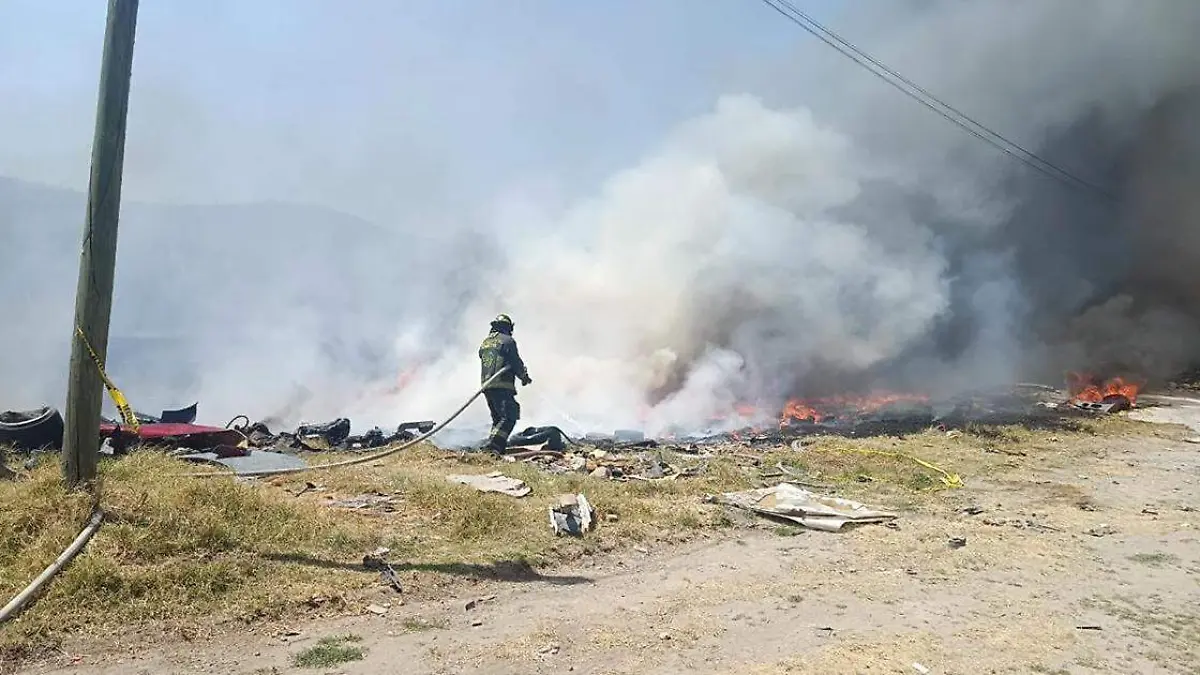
<point>204,284</point>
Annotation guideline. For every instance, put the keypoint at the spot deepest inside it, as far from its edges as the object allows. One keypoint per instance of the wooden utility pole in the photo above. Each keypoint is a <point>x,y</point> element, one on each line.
<point>97,262</point>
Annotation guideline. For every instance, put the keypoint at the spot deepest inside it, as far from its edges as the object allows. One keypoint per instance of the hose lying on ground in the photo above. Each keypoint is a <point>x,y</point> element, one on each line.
<point>55,567</point>
<point>356,460</point>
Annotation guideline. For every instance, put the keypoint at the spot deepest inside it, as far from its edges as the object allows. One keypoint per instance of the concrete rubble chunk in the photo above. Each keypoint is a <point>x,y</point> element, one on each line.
<point>572,515</point>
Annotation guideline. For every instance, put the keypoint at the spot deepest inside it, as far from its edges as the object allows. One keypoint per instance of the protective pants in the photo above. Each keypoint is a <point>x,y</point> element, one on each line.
<point>505,412</point>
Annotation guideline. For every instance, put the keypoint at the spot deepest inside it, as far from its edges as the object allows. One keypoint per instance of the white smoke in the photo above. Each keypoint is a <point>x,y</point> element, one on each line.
<point>722,253</point>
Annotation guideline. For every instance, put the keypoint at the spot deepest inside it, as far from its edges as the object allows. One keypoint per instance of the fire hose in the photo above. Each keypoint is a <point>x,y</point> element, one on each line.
<point>357,460</point>
<point>17,603</point>
<point>21,599</point>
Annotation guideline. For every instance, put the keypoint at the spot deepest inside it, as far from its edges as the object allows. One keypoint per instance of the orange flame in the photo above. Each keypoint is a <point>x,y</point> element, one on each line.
<point>797,409</point>
<point>1087,389</point>
<point>812,409</point>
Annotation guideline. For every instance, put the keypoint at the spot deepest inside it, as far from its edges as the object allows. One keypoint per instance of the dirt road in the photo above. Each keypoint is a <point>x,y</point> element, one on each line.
<point>1082,563</point>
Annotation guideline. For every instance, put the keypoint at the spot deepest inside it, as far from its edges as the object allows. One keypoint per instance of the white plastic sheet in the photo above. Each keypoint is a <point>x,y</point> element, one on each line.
<point>809,509</point>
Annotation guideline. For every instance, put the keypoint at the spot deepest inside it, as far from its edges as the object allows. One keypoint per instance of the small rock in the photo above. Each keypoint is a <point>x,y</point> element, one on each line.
<point>611,517</point>
<point>476,623</point>
<point>639,549</point>
<point>601,472</point>
<point>664,636</point>
<point>958,542</point>
<point>1192,439</point>
<point>953,433</point>
<point>1102,530</point>
<point>973,510</point>
<point>549,649</point>
<point>379,610</point>
<point>472,604</point>
<point>920,668</point>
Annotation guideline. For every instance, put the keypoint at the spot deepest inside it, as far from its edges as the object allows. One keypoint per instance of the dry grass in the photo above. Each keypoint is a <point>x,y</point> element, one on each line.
<point>190,554</point>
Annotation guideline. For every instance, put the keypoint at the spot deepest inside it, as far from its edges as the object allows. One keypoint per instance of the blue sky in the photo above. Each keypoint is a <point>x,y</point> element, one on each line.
<point>377,107</point>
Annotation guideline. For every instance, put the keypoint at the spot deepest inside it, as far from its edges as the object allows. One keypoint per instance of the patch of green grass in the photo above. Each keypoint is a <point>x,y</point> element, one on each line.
<point>416,624</point>
<point>329,652</point>
<point>1153,559</point>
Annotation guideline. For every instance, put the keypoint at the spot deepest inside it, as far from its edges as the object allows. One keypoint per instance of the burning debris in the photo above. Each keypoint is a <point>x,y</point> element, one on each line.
<point>1106,396</point>
<point>623,455</point>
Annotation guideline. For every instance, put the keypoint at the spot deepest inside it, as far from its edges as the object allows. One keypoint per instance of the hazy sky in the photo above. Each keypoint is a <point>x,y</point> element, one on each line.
<point>379,108</point>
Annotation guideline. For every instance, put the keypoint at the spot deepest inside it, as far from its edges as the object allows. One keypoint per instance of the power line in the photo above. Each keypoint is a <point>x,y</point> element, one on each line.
<point>927,99</point>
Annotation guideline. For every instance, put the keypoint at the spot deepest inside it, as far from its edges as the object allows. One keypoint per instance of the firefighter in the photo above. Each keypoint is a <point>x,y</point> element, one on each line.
<point>499,350</point>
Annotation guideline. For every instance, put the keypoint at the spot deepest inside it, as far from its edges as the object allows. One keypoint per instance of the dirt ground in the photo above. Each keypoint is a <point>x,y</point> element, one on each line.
<point>1086,563</point>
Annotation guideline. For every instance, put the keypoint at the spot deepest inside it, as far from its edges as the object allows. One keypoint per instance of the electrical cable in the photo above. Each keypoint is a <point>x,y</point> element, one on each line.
<point>927,99</point>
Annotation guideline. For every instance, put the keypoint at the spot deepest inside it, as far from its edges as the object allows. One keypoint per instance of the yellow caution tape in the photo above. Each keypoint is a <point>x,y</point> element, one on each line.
<point>118,398</point>
<point>950,480</point>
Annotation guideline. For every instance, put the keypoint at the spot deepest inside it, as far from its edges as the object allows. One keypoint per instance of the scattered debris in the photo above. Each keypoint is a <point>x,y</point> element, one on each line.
<point>572,515</point>
<point>958,542</point>
<point>1019,523</point>
<point>365,502</point>
<point>308,487</point>
<point>193,436</point>
<point>798,505</point>
<point>332,433</point>
<point>186,415</point>
<point>493,482</point>
<point>472,604</point>
<point>1089,628</point>
<point>550,649</point>
<point>548,438</point>
<point>377,560</point>
<point>1102,530</point>
<point>795,478</point>
<point>973,510</point>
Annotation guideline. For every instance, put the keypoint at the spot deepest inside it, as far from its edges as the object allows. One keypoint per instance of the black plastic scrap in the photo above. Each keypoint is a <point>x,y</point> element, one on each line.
<point>552,437</point>
<point>377,560</point>
<point>335,435</point>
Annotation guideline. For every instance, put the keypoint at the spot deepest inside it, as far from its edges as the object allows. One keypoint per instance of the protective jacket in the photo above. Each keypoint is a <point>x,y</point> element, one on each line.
<point>497,351</point>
